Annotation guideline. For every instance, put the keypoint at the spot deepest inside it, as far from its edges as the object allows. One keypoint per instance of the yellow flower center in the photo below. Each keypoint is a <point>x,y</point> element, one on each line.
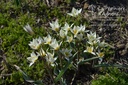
<point>89,49</point>
<point>67,54</point>
<point>75,31</point>
<point>101,54</point>
<point>70,39</point>
<point>68,29</point>
<point>56,29</point>
<point>57,48</point>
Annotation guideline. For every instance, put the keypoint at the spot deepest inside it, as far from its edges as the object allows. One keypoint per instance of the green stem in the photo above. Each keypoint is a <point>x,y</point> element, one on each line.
<point>49,72</point>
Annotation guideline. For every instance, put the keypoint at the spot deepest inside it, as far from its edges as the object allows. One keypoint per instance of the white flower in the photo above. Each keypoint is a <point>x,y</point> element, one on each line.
<point>55,25</point>
<point>75,30</point>
<point>33,58</point>
<point>63,33</point>
<point>42,52</point>
<point>67,53</point>
<point>50,58</point>
<point>35,44</point>
<point>66,27</point>
<point>54,44</point>
<point>89,50</point>
<point>75,12</point>
<point>47,39</point>
<point>100,54</point>
<point>92,38</point>
<point>28,29</point>
<point>82,27</point>
<point>69,38</point>
<point>102,44</point>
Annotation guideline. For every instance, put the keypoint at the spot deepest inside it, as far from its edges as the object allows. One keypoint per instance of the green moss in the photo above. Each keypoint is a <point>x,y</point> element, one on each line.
<point>15,46</point>
<point>113,77</point>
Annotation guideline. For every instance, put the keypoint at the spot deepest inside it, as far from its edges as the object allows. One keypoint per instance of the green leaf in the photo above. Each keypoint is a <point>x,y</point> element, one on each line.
<point>17,2</point>
<point>89,59</point>
<point>27,78</point>
<point>64,69</point>
<point>112,65</point>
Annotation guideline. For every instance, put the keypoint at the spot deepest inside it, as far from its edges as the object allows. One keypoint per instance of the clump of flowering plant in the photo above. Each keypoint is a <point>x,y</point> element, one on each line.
<point>66,45</point>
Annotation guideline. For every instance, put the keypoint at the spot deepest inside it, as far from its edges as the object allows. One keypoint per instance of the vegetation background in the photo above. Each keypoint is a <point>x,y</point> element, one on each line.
<point>14,49</point>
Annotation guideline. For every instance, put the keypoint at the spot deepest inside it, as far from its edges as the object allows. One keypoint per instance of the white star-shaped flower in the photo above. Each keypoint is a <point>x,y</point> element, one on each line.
<point>89,50</point>
<point>75,12</point>
<point>47,39</point>
<point>35,44</point>
<point>28,29</point>
<point>67,53</point>
<point>55,25</point>
<point>75,30</point>
<point>92,39</point>
<point>66,27</point>
<point>50,58</point>
<point>54,44</point>
<point>33,58</point>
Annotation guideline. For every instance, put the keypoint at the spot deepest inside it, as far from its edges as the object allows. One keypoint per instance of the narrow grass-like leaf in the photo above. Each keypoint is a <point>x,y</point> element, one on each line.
<point>27,78</point>
<point>17,2</point>
<point>89,59</point>
<point>64,69</point>
<point>112,65</point>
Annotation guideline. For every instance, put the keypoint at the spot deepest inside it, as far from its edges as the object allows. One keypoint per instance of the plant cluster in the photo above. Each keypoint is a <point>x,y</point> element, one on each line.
<point>65,46</point>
